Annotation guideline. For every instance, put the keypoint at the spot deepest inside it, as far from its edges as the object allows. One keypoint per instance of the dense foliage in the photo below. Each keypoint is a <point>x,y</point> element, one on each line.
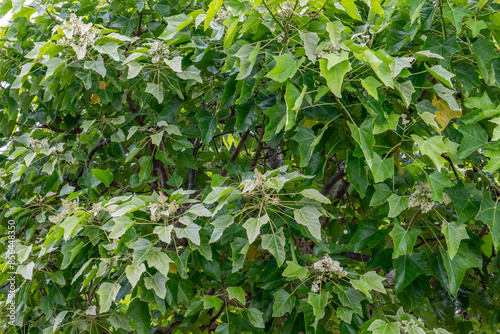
<point>250,166</point>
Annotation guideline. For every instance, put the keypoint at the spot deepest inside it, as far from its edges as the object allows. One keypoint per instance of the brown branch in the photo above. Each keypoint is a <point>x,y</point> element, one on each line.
<point>339,174</point>
<point>237,150</point>
<point>102,144</point>
<point>168,329</point>
<point>211,326</point>
<point>6,56</point>
<point>260,146</point>
<point>132,107</point>
<point>358,257</point>
<point>424,241</point>
<point>52,128</point>
<point>451,164</point>
<point>484,231</point>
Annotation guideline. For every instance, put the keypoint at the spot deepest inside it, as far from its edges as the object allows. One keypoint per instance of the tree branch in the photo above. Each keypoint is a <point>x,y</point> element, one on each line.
<point>237,151</point>
<point>339,174</point>
<point>132,107</point>
<point>447,158</point>
<point>102,144</point>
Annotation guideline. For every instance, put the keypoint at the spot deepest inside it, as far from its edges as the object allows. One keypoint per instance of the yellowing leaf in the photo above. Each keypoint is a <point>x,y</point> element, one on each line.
<point>94,99</point>
<point>445,114</point>
<point>103,85</point>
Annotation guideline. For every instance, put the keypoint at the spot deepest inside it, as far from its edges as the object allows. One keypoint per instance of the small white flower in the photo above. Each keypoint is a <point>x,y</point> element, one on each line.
<point>92,310</point>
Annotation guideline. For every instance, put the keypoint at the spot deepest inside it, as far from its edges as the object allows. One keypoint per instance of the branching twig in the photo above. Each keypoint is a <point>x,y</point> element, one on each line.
<point>237,151</point>
<point>447,158</point>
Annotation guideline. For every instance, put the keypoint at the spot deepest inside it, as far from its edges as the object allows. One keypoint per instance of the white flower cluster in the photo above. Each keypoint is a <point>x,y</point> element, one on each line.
<point>77,32</point>
<point>162,209</point>
<point>92,310</point>
<point>335,49</point>
<point>326,266</point>
<point>222,14</point>
<point>406,326</point>
<point>329,266</point>
<point>39,144</point>
<point>158,49</point>
<point>422,197</point>
<point>68,207</point>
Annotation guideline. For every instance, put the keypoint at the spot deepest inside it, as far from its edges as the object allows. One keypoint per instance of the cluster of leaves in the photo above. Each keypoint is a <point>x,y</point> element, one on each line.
<point>186,166</point>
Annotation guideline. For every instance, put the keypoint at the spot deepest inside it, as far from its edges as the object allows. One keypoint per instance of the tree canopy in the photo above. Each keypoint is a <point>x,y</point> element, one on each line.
<point>250,166</point>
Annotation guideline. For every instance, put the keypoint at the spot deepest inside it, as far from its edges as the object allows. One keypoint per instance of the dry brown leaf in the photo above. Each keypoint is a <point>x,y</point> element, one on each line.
<point>94,99</point>
<point>445,114</point>
<point>103,85</point>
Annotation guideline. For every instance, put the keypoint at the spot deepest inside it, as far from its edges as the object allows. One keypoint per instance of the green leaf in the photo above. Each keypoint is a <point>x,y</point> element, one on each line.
<point>489,215</point>
<point>351,8</point>
<point>160,261</point>
<point>438,182</point>
<point>335,75</point>
<point>380,68</point>
<point>465,207</point>
<point>286,66</point>
<point>277,118</point>
<point>134,273</point>
<point>190,73</point>
<point>105,176</point>
<point>70,225</point>
<point>309,217</point>
<point>382,327</point>
<point>315,195</point>
<point>352,299</point>
<point>213,8</point>
<point>235,292</point>
<point>456,268</point>
<point>220,224</point>
<point>494,163</point>
<point>397,204</point>
<point>432,147</point>
<point>403,240</point>
<point>283,303</point>
<point>253,225</point>
<point>371,85</point>
<point>382,169</point>
<point>335,29</point>
<point>310,41</point>
<point>109,48</point>
<point>156,90</point>
<point>275,244</point>
<point>484,53</point>
<point>474,138</point>
<point>157,284</point>
<point>406,90</point>
<point>442,75</point>
<point>408,267</point>
<point>476,26</point>
<point>255,316</point>
<point>456,15</point>
<point>294,271</point>
<point>369,281</point>
<point>164,233</point>
<point>138,311</point>
<point>382,193</point>
<point>357,174</point>
<point>318,303</point>
<point>454,234</point>
<point>363,136</point>
<point>175,24</point>
<point>305,137</point>
<point>191,232</point>
<point>107,293</point>
<point>156,138</point>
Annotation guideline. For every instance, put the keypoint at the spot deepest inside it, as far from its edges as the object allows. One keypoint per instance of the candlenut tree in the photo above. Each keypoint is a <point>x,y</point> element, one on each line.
<point>249,166</point>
